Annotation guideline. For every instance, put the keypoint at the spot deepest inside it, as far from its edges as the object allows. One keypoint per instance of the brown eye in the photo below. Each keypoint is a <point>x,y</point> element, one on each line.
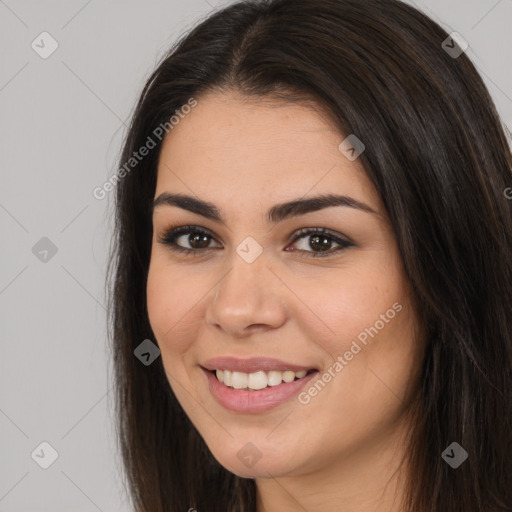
<point>198,239</point>
<point>320,242</point>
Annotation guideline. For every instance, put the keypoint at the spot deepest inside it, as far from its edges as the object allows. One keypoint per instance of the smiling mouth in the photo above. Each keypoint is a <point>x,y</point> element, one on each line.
<point>241,381</point>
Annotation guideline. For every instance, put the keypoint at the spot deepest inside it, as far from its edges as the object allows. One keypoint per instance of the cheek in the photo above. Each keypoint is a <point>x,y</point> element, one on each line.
<point>366,317</point>
<point>346,303</point>
<point>371,360</point>
<point>173,302</point>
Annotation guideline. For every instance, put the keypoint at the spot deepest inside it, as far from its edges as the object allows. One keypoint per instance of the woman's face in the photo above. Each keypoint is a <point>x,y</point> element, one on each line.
<point>253,287</point>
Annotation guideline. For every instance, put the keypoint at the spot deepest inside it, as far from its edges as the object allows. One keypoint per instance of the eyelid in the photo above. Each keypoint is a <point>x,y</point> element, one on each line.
<point>170,234</point>
<point>299,233</point>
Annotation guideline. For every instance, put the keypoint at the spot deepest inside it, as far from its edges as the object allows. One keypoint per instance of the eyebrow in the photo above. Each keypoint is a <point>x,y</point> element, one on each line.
<point>277,213</point>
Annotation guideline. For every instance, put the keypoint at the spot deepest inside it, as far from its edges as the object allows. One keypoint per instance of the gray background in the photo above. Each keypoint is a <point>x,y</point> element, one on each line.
<point>62,122</point>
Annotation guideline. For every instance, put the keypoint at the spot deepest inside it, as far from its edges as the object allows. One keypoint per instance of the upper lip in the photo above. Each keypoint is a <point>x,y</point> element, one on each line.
<point>252,364</point>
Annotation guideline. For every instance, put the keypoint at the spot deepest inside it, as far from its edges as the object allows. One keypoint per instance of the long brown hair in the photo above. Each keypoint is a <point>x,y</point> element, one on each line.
<point>437,154</point>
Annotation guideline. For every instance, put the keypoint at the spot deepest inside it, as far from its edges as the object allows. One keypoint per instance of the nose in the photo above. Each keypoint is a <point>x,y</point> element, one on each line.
<point>248,298</point>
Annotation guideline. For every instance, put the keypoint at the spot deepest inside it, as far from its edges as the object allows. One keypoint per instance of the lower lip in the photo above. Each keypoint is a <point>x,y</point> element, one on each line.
<point>255,401</point>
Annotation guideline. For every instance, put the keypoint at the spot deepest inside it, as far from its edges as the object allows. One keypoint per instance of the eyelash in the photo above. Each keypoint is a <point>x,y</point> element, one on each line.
<point>171,235</point>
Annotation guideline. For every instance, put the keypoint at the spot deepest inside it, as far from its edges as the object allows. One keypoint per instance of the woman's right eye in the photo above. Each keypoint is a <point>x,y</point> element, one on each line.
<point>197,237</point>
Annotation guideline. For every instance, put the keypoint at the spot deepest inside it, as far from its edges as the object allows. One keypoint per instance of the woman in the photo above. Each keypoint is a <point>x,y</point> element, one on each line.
<point>310,282</point>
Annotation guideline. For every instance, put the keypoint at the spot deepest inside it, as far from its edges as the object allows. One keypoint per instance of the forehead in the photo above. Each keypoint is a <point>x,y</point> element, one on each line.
<point>228,144</point>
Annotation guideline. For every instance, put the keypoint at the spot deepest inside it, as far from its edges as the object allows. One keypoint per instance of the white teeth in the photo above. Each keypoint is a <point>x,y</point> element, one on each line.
<point>275,378</point>
<point>239,380</point>
<point>257,380</point>
<point>288,376</point>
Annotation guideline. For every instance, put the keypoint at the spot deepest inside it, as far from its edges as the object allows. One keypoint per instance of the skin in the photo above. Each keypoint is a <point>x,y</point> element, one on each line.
<point>341,451</point>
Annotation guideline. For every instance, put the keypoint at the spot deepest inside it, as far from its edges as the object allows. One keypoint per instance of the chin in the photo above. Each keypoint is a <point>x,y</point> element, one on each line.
<point>271,466</point>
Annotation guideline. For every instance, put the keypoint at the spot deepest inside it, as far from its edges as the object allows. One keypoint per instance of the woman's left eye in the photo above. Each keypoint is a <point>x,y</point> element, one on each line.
<point>320,240</point>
